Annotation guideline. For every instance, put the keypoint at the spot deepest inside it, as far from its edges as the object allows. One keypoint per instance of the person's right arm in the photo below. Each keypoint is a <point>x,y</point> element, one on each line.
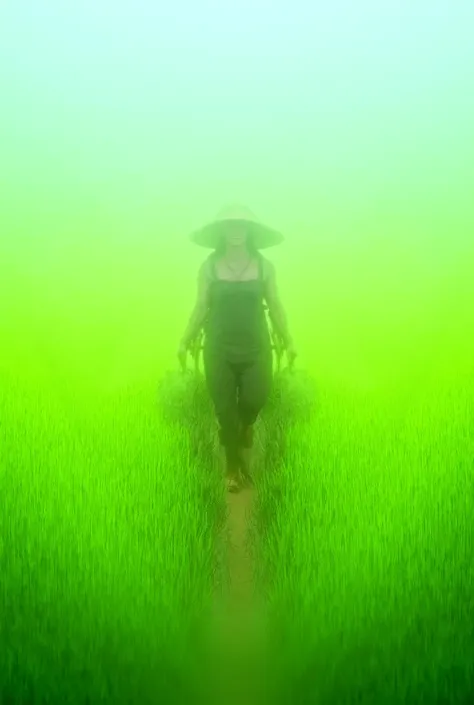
<point>200,307</point>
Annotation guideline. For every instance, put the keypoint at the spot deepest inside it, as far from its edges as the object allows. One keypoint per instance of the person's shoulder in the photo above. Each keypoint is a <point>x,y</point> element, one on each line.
<point>268,268</point>
<point>207,265</point>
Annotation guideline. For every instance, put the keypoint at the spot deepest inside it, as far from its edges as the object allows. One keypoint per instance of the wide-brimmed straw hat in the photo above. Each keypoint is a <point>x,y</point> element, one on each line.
<point>262,236</point>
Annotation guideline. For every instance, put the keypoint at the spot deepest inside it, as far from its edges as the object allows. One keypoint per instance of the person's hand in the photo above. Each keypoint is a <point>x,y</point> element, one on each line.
<point>182,355</point>
<point>291,354</point>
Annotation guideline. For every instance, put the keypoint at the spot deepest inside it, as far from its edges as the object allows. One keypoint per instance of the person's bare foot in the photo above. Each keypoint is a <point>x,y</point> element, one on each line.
<point>233,484</point>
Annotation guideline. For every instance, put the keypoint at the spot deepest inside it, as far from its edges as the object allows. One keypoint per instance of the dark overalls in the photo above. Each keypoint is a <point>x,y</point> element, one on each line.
<point>237,357</point>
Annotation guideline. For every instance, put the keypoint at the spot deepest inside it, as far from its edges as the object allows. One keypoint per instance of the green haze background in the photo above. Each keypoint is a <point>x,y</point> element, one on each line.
<point>348,125</point>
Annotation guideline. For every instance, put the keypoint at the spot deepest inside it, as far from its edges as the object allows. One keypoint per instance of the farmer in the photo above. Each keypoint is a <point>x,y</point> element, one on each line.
<point>233,283</point>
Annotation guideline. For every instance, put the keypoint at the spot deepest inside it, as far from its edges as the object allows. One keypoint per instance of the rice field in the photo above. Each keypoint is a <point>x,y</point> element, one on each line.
<point>366,551</point>
<point>362,538</point>
<point>107,529</point>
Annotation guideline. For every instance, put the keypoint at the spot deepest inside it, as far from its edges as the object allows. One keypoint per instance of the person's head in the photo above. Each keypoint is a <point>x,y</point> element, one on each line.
<point>236,228</point>
<point>236,235</point>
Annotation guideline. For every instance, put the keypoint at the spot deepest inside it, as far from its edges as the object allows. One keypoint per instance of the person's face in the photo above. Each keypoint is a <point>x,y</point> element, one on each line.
<point>235,234</point>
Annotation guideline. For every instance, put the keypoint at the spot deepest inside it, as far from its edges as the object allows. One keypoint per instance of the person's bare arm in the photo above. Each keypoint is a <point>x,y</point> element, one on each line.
<point>275,306</point>
<point>200,308</point>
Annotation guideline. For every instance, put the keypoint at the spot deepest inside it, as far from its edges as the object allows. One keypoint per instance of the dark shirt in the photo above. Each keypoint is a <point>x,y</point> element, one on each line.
<point>236,324</point>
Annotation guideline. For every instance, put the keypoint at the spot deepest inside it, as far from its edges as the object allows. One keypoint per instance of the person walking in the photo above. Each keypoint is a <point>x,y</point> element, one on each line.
<point>234,283</point>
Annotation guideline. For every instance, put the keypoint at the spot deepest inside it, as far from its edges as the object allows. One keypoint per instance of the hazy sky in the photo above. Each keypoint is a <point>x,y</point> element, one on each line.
<point>328,103</point>
<point>348,125</point>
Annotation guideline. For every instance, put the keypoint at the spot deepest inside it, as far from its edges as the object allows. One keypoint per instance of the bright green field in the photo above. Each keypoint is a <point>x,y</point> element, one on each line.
<point>349,127</point>
<point>363,537</point>
<point>367,550</point>
<point>107,529</point>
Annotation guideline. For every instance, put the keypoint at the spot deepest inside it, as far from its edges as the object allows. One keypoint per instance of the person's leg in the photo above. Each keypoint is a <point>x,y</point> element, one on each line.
<point>254,390</point>
<point>221,380</point>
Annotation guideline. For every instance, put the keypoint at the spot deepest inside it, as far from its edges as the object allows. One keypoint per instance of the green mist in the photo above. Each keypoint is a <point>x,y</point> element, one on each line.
<point>124,127</point>
<point>349,128</point>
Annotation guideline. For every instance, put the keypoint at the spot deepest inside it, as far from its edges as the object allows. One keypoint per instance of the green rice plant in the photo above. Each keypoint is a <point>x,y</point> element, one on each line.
<point>292,405</point>
<point>106,553</point>
<point>366,553</point>
<point>362,538</point>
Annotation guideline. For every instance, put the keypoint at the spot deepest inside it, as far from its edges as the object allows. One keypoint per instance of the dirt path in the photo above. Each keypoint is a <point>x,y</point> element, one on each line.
<point>239,618</point>
<point>240,507</point>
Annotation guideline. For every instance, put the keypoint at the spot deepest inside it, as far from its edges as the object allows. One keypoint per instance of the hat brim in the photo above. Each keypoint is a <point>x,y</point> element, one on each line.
<point>210,235</point>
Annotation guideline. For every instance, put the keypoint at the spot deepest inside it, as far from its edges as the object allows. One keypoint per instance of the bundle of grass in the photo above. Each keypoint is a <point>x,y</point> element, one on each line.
<point>292,402</point>
<point>294,391</point>
<point>183,401</point>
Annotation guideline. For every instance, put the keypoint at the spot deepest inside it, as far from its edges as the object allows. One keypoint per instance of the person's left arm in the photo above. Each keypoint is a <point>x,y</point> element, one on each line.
<point>275,306</point>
